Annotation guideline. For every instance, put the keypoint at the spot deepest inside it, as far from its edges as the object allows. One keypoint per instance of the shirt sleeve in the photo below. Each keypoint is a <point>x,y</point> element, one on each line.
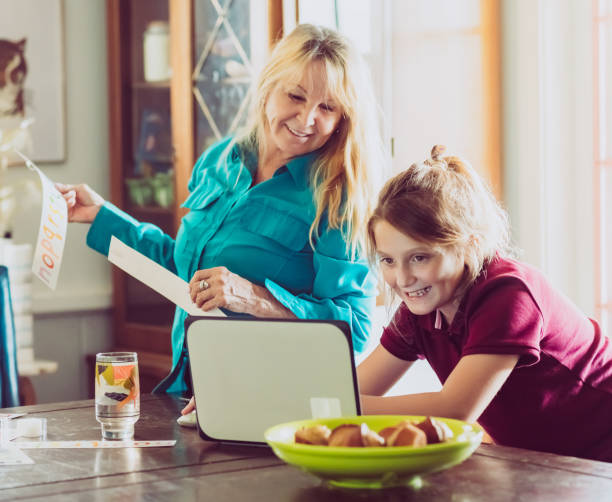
<point>506,321</point>
<point>343,289</point>
<point>398,337</point>
<point>144,237</point>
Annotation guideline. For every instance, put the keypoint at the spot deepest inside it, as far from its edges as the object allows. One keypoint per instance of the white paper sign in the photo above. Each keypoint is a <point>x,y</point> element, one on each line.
<point>52,232</point>
<point>38,445</point>
<point>12,455</point>
<point>155,276</point>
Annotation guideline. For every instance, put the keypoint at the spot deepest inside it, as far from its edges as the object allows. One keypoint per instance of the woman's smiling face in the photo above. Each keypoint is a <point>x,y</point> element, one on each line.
<point>301,115</point>
<point>424,277</point>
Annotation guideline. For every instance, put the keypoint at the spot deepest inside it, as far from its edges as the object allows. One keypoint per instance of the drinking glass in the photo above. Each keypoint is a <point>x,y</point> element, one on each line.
<point>117,394</point>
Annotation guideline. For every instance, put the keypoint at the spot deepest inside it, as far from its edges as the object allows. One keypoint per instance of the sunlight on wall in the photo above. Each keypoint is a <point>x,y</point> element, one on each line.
<point>437,80</point>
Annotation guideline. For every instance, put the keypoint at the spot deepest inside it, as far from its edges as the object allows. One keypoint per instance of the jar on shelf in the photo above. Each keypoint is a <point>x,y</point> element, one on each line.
<point>156,52</point>
<point>140,191</point>
<point>163,188</point>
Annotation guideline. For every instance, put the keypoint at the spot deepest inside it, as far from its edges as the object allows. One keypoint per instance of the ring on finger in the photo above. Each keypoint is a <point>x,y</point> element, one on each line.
<point>204,285</point>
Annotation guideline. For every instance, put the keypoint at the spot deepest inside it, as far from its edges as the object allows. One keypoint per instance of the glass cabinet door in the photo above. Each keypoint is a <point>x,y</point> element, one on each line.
<point>180,73</point>
<point>151,154</point>
<point>148,172</point>
<point>178,79</point>
<point>230,45</point>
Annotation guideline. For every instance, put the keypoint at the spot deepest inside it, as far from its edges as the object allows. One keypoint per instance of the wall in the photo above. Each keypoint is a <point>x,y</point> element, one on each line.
<point>74,320</point>
<point>548,156</point>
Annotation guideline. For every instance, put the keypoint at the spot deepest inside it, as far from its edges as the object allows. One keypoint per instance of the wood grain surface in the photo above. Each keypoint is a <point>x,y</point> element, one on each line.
<point>198,470</point>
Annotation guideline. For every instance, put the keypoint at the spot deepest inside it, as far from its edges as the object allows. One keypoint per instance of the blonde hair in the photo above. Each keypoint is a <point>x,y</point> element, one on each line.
<point>346,174</point>
<point>443,202</point>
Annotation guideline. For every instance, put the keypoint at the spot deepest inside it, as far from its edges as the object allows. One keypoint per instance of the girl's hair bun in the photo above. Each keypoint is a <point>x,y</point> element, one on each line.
<point>436,152</point>
<point>449,163</point>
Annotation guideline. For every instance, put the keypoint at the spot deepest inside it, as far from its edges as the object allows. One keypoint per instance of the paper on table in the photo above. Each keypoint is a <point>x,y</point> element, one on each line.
<point>11,415</point>
<point>38,445</point>
<point>155,276</point>
<point>12,455</point>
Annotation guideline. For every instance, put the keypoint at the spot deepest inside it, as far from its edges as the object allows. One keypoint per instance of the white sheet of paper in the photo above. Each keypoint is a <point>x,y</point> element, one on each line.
<point>155,276</point>
<point>12,455</point>
<point>43,445</point>
<point>49,250</point>
<point>12,415</point>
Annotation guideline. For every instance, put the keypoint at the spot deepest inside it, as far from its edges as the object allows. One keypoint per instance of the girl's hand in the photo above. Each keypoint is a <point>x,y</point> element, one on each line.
<point>83,203</point>
<point>189,407</point>
<point>218,287</point>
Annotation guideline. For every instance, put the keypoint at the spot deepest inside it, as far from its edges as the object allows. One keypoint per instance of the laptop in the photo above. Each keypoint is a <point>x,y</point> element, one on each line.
<point>249,374</point>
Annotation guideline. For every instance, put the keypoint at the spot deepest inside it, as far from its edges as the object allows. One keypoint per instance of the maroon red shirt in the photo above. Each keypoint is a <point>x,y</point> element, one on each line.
<point>558,398</point>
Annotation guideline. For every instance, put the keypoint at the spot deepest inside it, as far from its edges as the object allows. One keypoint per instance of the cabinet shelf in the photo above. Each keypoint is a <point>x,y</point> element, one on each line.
<point>247,79</point>
<point>158,159</point>
<point>144,210</point>
<point>162,85</point>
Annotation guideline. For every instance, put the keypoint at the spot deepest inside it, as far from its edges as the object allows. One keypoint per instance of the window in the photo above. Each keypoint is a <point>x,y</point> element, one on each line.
<point>436,69</point>
<point>447,82</point>
<point>602,79</point>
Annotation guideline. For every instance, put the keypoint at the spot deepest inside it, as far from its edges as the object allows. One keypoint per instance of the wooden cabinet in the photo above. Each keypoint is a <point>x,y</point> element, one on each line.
<point>179,74</point>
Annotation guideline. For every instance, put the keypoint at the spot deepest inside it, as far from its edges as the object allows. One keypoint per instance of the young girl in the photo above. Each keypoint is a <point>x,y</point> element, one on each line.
<point>510,351</point>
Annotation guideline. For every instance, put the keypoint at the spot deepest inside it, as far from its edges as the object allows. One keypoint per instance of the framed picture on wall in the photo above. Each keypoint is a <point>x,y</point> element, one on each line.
<point>32,81</point>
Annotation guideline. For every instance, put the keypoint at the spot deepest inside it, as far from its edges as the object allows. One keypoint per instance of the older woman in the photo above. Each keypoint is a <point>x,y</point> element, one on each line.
<point>277,213</point>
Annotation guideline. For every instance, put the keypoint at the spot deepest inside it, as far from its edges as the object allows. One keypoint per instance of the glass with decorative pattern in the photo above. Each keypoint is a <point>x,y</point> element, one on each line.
<point>117,394</point>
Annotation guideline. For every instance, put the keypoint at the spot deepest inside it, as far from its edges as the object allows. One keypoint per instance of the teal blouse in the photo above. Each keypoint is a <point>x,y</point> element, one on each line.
<point>260,233</point>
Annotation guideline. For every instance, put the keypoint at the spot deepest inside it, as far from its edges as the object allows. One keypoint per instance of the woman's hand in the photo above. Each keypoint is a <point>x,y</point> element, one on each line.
<point>218,287</point>
<point>83,203</point>
<point>189,407</point>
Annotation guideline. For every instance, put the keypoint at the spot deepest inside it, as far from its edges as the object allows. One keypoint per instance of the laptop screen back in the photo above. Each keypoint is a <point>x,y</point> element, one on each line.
<point>251,374</point>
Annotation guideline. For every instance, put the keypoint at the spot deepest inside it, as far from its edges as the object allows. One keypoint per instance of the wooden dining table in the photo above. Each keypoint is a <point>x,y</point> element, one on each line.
<point>194,469</point>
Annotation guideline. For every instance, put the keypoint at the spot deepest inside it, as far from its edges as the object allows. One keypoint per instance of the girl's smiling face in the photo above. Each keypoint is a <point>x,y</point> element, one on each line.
<point>424,277</point>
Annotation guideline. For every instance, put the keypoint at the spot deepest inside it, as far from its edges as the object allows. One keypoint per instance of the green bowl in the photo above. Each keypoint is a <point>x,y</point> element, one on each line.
<point>373,467</point>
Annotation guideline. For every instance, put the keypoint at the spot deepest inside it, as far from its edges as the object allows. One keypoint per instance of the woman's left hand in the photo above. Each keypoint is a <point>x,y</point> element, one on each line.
<point>189,407</point>
<point>218,287</point>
